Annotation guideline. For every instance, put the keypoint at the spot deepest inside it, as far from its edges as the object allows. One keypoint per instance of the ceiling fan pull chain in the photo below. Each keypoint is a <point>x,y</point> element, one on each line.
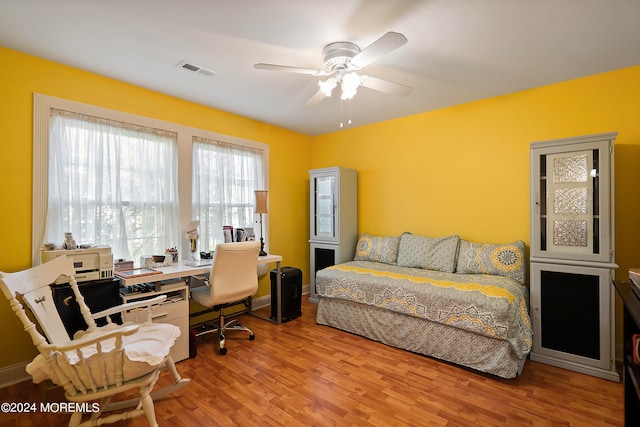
<point>345,116</point>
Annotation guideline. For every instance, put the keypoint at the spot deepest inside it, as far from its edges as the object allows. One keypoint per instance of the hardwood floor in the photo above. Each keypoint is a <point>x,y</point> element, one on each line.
<point>303,374</point>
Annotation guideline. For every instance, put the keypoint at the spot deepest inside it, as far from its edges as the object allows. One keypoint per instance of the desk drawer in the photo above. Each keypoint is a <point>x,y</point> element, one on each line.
<point>160,313</point>
<point>176,305</point>
<point>180,349</point>
<point>174,310</point>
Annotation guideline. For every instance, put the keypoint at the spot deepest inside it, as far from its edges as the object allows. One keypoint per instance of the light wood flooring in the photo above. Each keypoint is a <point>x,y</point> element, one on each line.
<point>303,374</point>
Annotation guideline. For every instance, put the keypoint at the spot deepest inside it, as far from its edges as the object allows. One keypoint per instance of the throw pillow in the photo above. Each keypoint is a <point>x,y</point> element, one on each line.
<point>502,260</point>
<point>378,249</point>
<point>437,254</point>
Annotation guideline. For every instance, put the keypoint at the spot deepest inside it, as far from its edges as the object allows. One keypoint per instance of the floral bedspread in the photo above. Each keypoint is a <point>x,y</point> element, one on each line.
<point>494,306</point>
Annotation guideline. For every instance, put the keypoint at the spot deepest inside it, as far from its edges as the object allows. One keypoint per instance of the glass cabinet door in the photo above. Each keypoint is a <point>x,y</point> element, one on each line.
<point>571,206</point>
<point>324,221</point>
<point>571,222</point>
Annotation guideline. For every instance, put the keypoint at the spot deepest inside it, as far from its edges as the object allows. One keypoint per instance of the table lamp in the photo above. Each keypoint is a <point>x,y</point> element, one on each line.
<point>261,208</point>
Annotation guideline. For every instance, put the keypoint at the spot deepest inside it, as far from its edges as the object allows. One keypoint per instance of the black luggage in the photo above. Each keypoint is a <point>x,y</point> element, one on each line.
<point>290,293</point>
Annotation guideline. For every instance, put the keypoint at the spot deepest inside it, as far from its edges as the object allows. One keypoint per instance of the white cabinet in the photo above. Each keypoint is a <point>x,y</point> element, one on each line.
<point>572,313</point>
<point>174,310</point>
<point>333,223</point>
<point>572,254</point>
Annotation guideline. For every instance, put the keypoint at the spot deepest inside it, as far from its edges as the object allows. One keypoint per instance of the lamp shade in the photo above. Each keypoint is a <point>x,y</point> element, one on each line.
<point>261,201</point>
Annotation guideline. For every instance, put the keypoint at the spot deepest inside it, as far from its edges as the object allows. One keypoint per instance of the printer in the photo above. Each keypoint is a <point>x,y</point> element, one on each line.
<point>93,263</point>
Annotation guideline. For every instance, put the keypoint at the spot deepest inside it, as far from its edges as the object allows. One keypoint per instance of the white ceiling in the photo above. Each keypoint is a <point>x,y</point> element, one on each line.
<point>458,50</point>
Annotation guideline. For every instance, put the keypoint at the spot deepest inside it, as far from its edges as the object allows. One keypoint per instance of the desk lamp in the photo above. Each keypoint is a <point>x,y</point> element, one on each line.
<point>261,208</point>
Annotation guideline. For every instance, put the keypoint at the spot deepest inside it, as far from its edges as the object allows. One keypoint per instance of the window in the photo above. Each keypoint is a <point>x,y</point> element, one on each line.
<point>126,181</point>
<point>112,184</point>
<point>224,179</point>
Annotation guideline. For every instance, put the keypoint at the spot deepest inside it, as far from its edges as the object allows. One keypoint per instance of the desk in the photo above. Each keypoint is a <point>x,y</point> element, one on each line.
<point>181,270</point>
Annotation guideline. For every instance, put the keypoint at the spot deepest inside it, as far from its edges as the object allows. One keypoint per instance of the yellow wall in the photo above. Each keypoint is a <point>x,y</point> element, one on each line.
<point>462,170</point>
<point>22,75</point>
<point>465,169</point>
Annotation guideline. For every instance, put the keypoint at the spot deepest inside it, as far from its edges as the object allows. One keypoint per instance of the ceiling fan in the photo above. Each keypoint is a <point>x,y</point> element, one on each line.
<point>342,60</point>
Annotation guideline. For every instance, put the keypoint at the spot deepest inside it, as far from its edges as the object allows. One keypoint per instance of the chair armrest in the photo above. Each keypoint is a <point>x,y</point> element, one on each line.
<point>129,306</point>
<point>198,281</point>
<point>94,338</point>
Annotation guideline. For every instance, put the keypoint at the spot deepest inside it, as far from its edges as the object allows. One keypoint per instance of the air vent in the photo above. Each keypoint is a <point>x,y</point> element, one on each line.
<point>201,71</point>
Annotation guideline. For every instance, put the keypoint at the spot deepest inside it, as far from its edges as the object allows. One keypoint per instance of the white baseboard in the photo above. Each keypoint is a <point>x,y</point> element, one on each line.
<point>619,352</point>
<point>13,374</point>
<point>611,375</point>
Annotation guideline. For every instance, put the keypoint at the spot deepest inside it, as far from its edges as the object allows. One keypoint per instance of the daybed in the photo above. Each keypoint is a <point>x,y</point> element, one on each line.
<point>463,302</point>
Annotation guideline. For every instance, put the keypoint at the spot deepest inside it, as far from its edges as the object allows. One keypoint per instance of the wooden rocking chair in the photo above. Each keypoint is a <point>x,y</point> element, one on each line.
<point>97,363</point>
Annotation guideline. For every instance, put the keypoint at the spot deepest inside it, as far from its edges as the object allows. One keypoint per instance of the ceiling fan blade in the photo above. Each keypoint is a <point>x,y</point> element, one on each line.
<point>315,100</point>
<point>288,69</point>
<point>385,44</point>
<point>385,86</point>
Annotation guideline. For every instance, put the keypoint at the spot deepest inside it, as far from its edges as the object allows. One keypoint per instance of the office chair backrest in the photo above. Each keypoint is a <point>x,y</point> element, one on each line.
<point>234,272</point>
<point>32,286</point>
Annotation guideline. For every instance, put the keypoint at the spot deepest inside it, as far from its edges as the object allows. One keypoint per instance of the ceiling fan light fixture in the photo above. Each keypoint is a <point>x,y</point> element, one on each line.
<point>341,62</point>
<point>328,85</point>
<point>349,84</point>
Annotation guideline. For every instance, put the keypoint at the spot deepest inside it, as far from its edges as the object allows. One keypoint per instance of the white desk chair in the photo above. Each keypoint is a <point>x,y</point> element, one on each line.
<point>233,279</point>
<point>99,362</point>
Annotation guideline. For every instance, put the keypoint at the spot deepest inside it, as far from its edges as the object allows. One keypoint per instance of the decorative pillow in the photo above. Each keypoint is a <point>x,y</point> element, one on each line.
<point>379,249</point>
<point>429,253</point>
<point>501,260</point>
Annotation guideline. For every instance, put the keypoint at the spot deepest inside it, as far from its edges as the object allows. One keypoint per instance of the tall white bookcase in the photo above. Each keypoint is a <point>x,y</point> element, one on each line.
<point>333,223</point>
<point>572,254</point>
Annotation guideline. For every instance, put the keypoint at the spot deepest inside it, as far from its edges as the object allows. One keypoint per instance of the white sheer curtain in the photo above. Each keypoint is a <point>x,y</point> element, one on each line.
<point>225,177</point>
<point>112,183</point>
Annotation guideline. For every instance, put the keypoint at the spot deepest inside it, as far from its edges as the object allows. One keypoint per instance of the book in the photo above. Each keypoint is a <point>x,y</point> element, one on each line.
<point>634,276</point>
<point>634,279</point>
<point>635,347</point>
<point>245,234</point>
<point>227,230</point>
<point>241,235</point>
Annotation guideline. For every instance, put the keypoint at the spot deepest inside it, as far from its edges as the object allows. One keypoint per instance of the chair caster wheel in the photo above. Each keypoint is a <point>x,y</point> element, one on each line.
<point>223,349</point>
<point>252,337</point>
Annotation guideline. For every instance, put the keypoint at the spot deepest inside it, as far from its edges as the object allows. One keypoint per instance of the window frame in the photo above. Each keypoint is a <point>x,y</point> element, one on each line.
<point>42,105</point>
